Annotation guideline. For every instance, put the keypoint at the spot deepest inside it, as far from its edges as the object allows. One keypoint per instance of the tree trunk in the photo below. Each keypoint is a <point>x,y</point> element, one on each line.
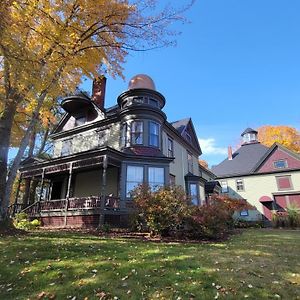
<point>6,122</point>
<point>28,180</point>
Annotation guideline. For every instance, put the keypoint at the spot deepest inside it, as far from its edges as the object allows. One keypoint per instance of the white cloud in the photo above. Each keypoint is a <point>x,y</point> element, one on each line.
<point>208,146</point>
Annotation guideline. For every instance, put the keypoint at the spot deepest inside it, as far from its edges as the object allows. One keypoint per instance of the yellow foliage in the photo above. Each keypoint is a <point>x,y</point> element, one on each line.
<point>49,46</point>
<point>284,135</point>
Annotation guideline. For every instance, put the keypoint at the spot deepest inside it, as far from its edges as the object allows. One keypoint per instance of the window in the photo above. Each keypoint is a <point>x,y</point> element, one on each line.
<point>123,137</point>
<point>224,186</point>
<point>80,120</point>
<point>156,177</point>
<point>135,176</point>
<point>284,183</point>
<point>153,134</point>
<point>239,185</point>
<point>188,137</point>
<point>66,147</point>
<point>153,102</point>
<point>170,147</point>
<point>280,164</point>
<point>172,179</point>
<point>194,193</point>
<point>190,162</point>
<point>137,133</point>
<point>244,213</point>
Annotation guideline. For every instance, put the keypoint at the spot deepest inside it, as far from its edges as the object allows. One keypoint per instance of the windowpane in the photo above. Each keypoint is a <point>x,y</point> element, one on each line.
<point>280,164</point>
<point>66,148</point>
<point>170,148</point>
<point>194,193</point>
<point>154,134</point>
<point>134,178</point>
<point>224,186</point>
<point>156,177</point>
<point>123,138</point>
<point>137,132</point>
<point>239,185</point>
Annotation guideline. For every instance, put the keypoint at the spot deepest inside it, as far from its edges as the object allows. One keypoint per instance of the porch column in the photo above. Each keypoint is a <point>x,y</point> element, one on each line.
<point>103,190</point>
<point>68,193</point>
<point>42,185</point>
<point>49,191</point>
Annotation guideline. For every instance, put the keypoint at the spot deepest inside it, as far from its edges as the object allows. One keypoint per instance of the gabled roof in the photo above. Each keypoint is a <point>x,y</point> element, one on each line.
<point>180,125</point>
<point>187,125</point>
<point>243,160</point>
<point>270,151</point>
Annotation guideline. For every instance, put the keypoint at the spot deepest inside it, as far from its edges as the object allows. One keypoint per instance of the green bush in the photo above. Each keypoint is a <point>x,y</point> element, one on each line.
<point>21,221</point>
<point>293,216</point>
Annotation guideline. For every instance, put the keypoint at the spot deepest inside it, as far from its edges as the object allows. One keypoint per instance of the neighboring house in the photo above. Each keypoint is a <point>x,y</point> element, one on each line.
<point>102,154</point>
<point>267,177</point>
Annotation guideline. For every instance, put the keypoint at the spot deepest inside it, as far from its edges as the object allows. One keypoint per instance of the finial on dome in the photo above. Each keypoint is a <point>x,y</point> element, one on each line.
<point>141,81</point>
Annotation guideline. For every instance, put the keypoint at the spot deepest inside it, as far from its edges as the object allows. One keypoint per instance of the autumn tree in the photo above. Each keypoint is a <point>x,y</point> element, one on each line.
<point>284,135</point>
<point>47,47</point>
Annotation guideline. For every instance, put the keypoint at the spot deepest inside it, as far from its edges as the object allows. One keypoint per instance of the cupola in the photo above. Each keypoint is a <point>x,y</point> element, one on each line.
<point>141,92</point>
<point>249,136</point>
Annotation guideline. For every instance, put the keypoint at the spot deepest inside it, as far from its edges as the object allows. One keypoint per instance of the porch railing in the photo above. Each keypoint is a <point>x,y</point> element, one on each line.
<point>82,203</point>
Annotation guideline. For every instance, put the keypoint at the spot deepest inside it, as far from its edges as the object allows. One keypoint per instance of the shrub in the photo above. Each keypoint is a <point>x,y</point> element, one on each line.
<point>161,211</point>
<point>168,211</point>
<point>293,216</point>
<point>208,221</point>
<point>21,222</point>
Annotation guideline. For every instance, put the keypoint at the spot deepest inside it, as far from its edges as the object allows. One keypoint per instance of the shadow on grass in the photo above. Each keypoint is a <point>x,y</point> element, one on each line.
<point>68,264</point>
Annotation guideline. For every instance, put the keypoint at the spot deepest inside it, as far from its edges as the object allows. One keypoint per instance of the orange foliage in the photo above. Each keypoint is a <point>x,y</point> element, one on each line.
<point>287,136</point>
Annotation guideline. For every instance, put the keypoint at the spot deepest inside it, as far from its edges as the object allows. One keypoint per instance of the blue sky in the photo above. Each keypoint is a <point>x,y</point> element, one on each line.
<point>236,64</point>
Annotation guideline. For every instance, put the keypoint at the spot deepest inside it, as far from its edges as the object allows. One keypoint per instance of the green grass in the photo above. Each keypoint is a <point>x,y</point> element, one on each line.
<point>258,264</point>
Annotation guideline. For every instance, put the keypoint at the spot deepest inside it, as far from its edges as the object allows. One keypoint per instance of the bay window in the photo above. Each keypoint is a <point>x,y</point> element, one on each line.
<point>153,134</point>
<point>137,132</point>
<point>135,177</point>
<point>194,193</point>
<point>123,137</point>
<point>156,177</point>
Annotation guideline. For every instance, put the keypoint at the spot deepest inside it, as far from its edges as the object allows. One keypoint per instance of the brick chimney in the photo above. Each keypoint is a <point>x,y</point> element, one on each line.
<point>229,153</point>
<point>98,96</point>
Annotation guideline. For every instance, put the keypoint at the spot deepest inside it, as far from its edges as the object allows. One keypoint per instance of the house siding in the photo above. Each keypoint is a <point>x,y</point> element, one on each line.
<point>258,186</point>
<point>278,154</point>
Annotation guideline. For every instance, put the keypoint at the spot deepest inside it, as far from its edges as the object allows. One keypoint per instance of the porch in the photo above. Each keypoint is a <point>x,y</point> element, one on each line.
<point>85,186</point>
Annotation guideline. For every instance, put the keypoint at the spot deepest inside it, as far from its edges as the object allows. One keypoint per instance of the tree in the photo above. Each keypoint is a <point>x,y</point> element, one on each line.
<point>47,47</point>
<point>203,163</point>
<point>284,135</point>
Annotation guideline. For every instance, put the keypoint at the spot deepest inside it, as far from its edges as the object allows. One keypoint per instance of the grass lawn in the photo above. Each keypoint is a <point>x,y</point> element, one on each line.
<point>258,264</point>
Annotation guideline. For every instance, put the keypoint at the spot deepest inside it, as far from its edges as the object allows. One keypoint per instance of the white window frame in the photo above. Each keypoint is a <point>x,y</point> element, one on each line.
<point>137,182</point>
<point>134,133</point>
<point>156,136</point>
<point>224,186</point>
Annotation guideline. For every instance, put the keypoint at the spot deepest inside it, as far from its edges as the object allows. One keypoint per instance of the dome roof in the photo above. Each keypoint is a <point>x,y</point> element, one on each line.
<point>141,81</point>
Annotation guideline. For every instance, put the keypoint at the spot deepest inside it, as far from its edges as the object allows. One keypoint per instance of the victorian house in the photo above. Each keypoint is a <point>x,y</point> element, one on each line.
<point>101,154</point>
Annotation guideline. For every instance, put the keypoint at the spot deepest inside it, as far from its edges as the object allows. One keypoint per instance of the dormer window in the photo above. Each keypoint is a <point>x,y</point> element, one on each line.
<point>280,164</point>
<point>188,137</point>
<point>137,133</point>
<point>80,120</point>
